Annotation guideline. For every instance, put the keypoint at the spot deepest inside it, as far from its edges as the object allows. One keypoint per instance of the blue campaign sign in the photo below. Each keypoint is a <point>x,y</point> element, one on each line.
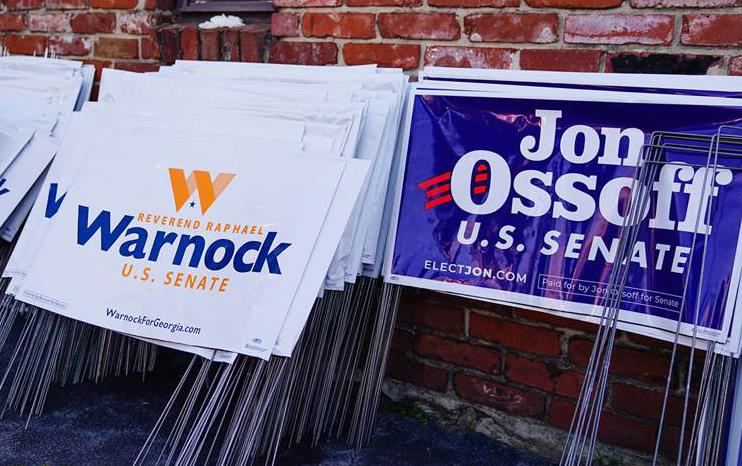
<point>522,200</point>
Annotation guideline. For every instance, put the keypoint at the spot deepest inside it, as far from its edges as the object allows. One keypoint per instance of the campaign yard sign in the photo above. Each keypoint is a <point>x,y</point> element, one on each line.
<point>522,199</point>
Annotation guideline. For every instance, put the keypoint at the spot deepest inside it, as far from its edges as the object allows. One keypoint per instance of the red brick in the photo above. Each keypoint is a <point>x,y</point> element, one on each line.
<point>400,3</point>
<point>91,23</point>
<point>500,396</point>
<point>99,65</point>
<point>230,41</point>
<point>71,45</point>
<point>474,3</point>
<point>26,44</point>
<point>437,26</point>
<point>712,30</point>
<point>648,403</point>
<point>169,45</point>
<point>306,3</point>
<point>115,47</point>
<point>67,4</point>
<point>25,4</point>
<point>137,66</point>
<point>529,372</point>
<point>647,29</point>
<point>285,24</point>
<point>574,3</point>
<point>443,318</point>
<point>304,53</point>
<point>735,66</point>
<point>401,340</point>
<point>682,3</point>
<point>561,413</point>
<point>515,335</point>
<point>189,43</point>
<point>569,384</point>
<point>251,46</point>
<point>512,27</point>
<point>468,57</point>
<point>636,364</point>
<point>12,22</point>
<point>405,56</point>
<point>209,45</point>
<point>458,353</point>
<point>49,22</point>
<point>150,48</point>
<point>114,4</point>
<point>407,370</point>
<point>137,23</point>
<point>560,60</point>
<point>345,25</point>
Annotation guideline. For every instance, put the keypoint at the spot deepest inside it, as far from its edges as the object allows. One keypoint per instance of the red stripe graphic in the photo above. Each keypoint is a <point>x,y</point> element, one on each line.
<point>435,180</point>
<point>438,201</point>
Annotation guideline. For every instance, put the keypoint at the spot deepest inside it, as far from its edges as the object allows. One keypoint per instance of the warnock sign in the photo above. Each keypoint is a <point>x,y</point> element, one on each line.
<point>522,200</point>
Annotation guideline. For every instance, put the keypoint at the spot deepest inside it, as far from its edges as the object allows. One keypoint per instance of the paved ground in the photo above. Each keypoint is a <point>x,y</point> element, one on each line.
<point>105,425</point>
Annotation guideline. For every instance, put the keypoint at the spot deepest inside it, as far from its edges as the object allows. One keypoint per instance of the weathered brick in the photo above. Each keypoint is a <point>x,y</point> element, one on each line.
<point>561,413</point>
<point>24,4</point>
<point>117,47</point>
<point>26,44</point>
<point>189,45</point>
<point>569,384</point>
<point>530,372</point>
<point>230,45</point>
<point>664,63</point>
<point>405,56</point>
<point>574,3</point>
<point>400,3</point>
<point>114,4</point>
<point>512,27</point>
<point>458,353</point>
<point>136,23</point>
<point>344,25</point>
<point>712,30</point>
<point>636,364</point>
<point>647,404</point>
<point>137,66</point>
<point>149,47</point>
<point>252,44</point>
<point>91,23</point>
<point>10,22</point>
<point>509,399</point>
<point>306,3</point>
<point>735,66</point>
<point>647,29</point>
<point>423,314</point>
<point>682,3</point>
<point>408,370</point>
<point>515,335</point>
<point>305,53</point>
<point>49,22</point>
<point>169,46</point>
<point>474,3</point>
<point>67,4</point>
<point>437,26</point>
<point>68,44</point>
<point>402,340</point>
<point>469,57</point>
<point>559,60</point>
<point>285,24</point>
<point>209,41</point>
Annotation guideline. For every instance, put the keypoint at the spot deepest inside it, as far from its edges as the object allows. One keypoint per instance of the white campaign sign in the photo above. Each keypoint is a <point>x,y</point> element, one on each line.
<point>187,240</point>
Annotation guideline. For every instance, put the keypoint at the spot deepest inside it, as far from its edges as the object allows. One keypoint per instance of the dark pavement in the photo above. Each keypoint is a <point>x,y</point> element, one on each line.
<point>105,424</point>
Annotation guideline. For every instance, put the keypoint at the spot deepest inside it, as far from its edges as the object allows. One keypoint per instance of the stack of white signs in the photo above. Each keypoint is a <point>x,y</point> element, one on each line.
<point>204,207</point>
<point>514,186</point>
<point>37,95</point>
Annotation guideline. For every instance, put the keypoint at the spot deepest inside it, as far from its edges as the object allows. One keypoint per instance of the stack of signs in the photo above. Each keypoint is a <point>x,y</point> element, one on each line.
<point>37,95</point>
<point>206,208</point>
<point>514,186</point>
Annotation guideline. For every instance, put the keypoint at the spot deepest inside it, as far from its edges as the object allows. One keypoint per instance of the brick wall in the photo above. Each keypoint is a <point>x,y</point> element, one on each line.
<point>530,365</point>
<point>682,36</point>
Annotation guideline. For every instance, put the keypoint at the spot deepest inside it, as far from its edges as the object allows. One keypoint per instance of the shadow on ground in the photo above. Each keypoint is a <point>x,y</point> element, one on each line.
<point>105,424</point>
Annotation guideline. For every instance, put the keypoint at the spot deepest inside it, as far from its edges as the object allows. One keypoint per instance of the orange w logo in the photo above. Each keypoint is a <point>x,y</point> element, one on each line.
<point>200,181</point>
